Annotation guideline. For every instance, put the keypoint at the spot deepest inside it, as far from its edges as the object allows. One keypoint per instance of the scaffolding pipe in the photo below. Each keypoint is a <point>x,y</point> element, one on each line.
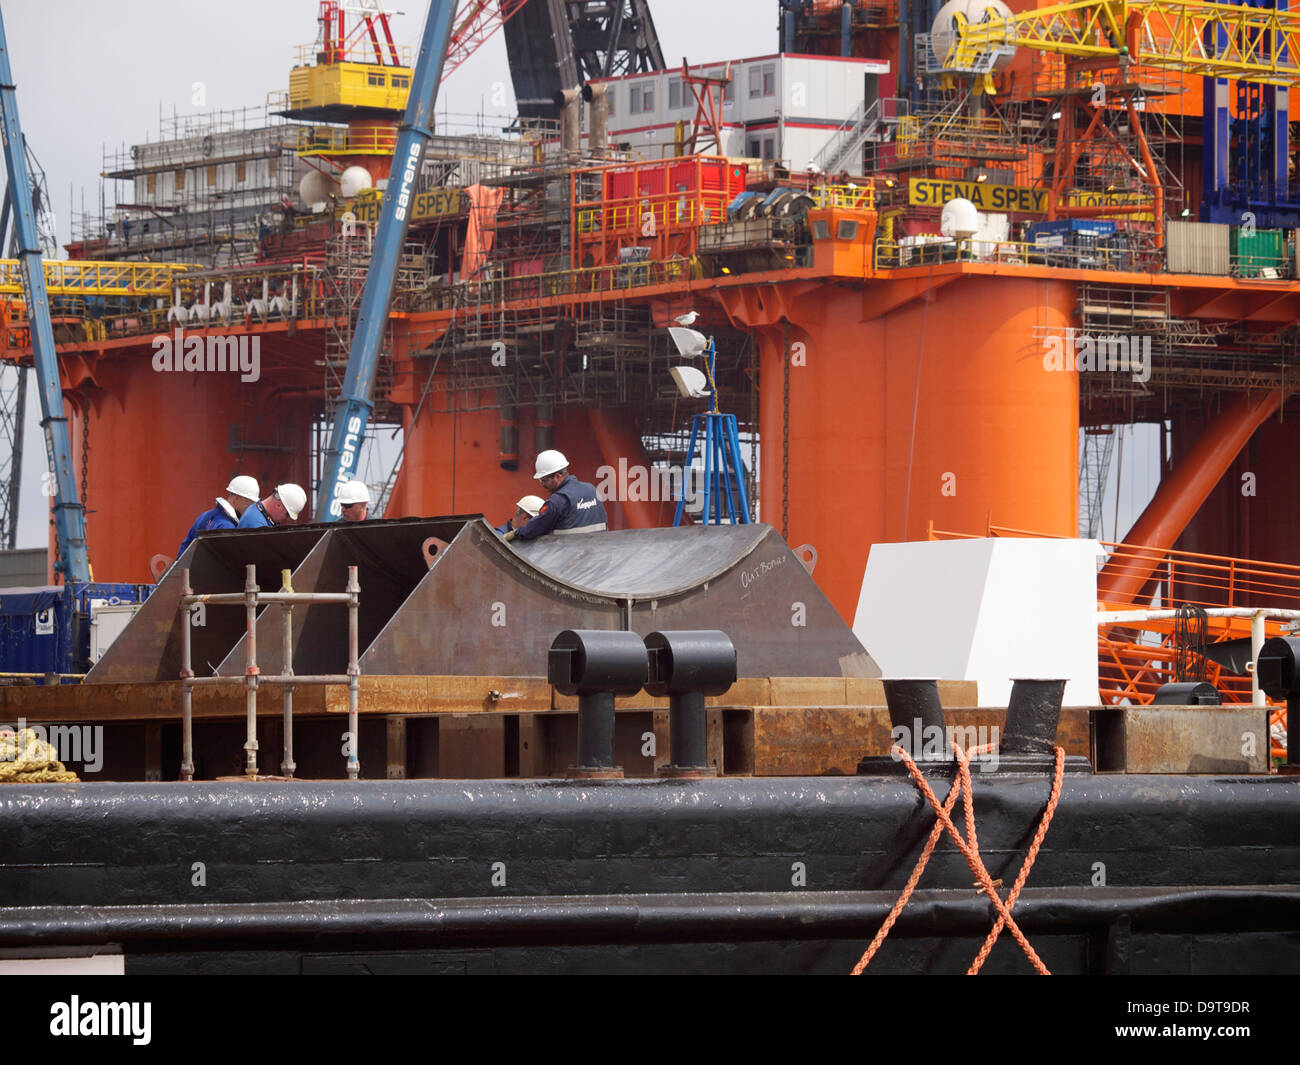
<point>187,683</point>
<point>250,671</point>
<point>287,765</point>
<point>1257,697</point>
<point>354,675</point>
<point>251,599</point>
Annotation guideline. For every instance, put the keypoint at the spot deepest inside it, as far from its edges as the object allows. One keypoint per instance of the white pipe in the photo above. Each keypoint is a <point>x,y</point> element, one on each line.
<point>1120,617</point>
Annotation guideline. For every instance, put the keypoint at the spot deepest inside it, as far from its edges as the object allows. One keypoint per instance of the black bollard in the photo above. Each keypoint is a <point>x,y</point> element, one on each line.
<point>914,708</point>
<point>687,666</point>
<point>917,724</point>
<point>1280,679</point>
<point>1033,716</point>
<point>596,665</point>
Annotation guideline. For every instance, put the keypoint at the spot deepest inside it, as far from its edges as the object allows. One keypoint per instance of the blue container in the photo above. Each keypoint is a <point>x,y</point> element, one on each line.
<point>47,629</point>
<point>1068,228</point>
<point>36,630</point>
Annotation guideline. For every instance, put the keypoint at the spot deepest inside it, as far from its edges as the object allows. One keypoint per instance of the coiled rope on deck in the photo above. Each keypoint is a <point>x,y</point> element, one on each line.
<point>25,758</point>
<point>969,847</point>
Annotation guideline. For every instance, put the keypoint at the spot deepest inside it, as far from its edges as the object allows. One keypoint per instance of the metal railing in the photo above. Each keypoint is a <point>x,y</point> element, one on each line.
<point>197,298</point>
<point>1188,578</point>
<point>85,277</point>
<point>954,132</point>
<point>320,139</point>
<point>634,216</point>
<point>356,50</point>
<point>251,598</point>
<point>1137,647</point>
<point>1107,257</point>
<point>860,197</point>
<point>585,281</point>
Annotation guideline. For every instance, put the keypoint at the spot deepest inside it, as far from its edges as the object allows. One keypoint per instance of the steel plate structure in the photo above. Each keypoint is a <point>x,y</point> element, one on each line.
<point>448,597</point>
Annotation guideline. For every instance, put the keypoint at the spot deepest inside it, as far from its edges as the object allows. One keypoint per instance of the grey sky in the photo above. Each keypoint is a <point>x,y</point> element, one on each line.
<point>91,74</point>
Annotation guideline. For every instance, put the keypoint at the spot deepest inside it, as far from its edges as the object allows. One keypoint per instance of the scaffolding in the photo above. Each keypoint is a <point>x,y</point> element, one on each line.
<point>1192,360</point>
<point>347,262</point>
<point>207,191</point>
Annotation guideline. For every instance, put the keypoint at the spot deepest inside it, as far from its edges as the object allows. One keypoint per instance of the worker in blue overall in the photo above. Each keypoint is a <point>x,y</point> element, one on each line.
<point>241,493</point>
<point>525,511</point>
<point>572,507</point>
<point>284,504</point>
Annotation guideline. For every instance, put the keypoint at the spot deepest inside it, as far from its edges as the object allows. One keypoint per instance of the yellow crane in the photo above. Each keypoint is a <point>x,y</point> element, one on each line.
<point>1249,43</point>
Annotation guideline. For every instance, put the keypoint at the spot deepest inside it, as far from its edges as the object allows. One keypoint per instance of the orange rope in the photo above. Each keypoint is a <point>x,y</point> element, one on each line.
<point>1052,799</point>
<point>969,848</point>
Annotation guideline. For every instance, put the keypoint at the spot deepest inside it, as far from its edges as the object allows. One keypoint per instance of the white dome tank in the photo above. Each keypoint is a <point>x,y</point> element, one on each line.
<point>316,188</point>
<point>354,179</point>
<point>959,219</point>
<point>943,32</point>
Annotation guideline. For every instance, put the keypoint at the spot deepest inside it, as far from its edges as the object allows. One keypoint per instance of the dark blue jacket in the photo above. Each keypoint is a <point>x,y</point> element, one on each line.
<point>574,507</point>
<point>216,518</point>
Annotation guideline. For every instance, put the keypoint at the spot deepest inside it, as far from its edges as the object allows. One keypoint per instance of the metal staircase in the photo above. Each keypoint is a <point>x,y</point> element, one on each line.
<point>1095,453</point>
<point>867,123</point>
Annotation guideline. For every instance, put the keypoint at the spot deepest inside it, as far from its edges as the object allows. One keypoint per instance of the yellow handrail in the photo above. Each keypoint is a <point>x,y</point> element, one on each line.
<point>85,277</point>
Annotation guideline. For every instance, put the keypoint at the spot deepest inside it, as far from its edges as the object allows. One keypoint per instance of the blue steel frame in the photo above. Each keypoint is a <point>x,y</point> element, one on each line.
<point>724,475</point>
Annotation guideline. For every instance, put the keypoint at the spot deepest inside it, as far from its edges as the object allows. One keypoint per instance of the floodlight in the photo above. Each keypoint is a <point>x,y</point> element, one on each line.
<point>689,342</point>
<point>691,383</point>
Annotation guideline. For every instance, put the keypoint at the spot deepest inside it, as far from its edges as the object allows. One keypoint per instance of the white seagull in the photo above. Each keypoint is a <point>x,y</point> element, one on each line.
<point>687,319</point>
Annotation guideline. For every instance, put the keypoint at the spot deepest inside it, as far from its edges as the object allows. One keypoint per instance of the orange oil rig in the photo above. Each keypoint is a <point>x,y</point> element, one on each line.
<point>935,255</point>
<point>945,254</point>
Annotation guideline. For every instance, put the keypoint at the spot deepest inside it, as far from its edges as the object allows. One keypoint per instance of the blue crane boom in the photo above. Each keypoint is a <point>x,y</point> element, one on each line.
<point>352,412</point>
<point>69,516</point>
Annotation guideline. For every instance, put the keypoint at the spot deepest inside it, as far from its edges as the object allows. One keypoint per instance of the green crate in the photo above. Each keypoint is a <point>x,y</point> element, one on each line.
<point>1253,253</point>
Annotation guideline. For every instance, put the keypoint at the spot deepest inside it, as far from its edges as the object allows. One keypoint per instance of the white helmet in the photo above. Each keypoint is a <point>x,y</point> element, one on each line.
<point>549,462</point>
<point>353,492</point>
<point>293,498</point>
<point>531,505</point>
<point>245,486</point>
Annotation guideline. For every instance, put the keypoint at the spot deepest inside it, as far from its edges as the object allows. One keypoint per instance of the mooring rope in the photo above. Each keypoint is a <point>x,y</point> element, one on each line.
<point>969,847</point>
<point>25,758</point>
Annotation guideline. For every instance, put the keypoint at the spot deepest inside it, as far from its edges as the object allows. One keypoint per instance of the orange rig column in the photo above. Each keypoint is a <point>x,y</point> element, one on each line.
<point>452,463</point>
<point>905,409</point>
<point>161,446</point>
